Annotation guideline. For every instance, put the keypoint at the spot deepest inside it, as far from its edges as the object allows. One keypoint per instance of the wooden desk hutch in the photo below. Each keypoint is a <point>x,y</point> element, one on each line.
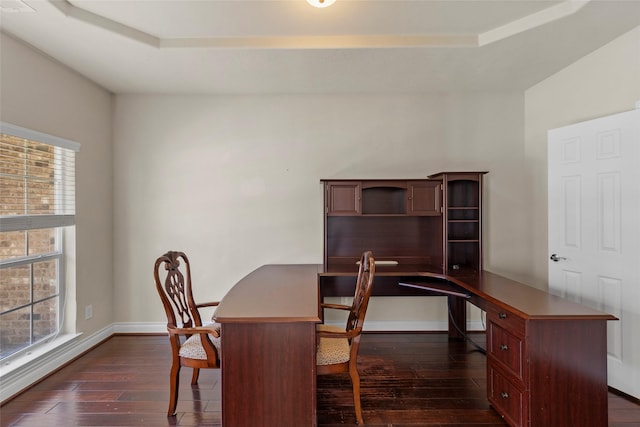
<point>433,224</point>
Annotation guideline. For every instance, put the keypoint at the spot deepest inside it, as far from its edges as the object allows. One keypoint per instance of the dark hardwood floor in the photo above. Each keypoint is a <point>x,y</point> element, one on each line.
<point>407,380</point>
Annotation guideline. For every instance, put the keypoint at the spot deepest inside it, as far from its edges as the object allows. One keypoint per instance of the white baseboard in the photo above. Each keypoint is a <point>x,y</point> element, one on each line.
<point>21,373</point>
<point>370,326</point>
<point>401,325</point>
<point>140,328</point>
<point>415,326</point>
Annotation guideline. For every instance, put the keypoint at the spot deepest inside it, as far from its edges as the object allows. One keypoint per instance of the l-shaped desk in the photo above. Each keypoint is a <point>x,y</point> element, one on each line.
<point>546,356</point>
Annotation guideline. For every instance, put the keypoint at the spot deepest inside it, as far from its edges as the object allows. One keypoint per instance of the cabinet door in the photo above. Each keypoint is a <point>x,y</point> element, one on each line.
<point>343,198</point>
<point>425,198</point>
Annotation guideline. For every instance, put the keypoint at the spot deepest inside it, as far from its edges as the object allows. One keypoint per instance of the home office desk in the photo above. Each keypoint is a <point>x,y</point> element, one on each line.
<point>546,356</point>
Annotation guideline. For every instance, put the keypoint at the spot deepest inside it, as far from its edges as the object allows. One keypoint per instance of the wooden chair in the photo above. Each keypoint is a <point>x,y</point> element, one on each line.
<point>338,347</point>
<point>192,344</point>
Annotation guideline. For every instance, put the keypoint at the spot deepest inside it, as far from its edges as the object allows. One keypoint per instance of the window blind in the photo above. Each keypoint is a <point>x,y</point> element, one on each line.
<point>37,179</point>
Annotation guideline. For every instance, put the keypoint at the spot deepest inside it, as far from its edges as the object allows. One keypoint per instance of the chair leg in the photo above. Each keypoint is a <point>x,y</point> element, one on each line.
<point>195,375</point>
<point>355,384</point>
<point>173,388</point>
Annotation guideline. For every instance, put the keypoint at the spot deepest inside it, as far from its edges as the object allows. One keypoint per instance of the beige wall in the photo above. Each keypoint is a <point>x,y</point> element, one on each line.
<point>604,82</point>
<point>234,181</point>
<point>40,94</point>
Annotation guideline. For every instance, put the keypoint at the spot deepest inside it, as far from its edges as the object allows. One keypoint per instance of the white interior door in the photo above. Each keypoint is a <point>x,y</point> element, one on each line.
<point>594,230</point>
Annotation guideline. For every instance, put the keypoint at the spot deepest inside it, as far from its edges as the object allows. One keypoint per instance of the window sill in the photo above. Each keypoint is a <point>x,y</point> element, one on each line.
<point>14,362</point>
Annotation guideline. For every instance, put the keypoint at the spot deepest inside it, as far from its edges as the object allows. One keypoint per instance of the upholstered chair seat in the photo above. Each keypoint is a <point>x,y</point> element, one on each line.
<point>192,348</point>
<point>332,350</point>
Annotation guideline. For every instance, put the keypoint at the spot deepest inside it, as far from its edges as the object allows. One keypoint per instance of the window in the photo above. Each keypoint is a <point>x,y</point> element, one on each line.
<point>37,204</point>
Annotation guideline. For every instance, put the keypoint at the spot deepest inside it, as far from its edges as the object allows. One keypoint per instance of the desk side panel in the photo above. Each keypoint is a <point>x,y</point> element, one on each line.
<point>568,372</point>
<point>269,374</point>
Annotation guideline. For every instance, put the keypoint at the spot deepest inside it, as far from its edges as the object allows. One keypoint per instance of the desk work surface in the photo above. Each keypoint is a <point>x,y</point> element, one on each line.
<point>289,292</point>
<point>485,286</point>
<point>273,293</point>
<point>528,301</point>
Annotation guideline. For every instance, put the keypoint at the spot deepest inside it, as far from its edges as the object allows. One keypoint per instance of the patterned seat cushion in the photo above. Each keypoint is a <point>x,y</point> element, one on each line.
<point>192,347</point>
<point>332,350</point>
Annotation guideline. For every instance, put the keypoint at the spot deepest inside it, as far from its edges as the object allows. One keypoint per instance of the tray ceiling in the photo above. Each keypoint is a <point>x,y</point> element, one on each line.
<point>287,46</point>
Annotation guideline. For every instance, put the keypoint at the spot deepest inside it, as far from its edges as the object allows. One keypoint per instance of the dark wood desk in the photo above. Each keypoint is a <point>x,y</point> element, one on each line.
<point>268,358</point>
<point>546,356</point>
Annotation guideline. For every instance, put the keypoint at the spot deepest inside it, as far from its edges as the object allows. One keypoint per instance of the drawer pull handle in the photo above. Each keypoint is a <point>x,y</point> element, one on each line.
<point>504,347</point>
<point>502,315</point>
<point>504,395</point>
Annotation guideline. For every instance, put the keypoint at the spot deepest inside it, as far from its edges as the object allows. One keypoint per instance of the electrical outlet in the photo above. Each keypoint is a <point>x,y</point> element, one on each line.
<point>88,312</point>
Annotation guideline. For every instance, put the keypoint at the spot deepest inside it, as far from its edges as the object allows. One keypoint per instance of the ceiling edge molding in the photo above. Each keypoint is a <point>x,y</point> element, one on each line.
<point>550,14</point>
<point>324,42</point>
<point>285,42</point>
<point>96,20</point>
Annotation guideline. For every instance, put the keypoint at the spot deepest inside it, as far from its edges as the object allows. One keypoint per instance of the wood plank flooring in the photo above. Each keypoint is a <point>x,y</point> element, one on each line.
<point>407,380</point>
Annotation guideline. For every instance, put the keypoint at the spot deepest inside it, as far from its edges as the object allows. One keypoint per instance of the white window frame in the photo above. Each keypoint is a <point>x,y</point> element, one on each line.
<point>28,222</point>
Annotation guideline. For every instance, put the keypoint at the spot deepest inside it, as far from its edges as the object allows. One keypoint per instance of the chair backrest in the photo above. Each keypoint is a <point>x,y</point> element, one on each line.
<point>364,286</point>
<point>174,289</point>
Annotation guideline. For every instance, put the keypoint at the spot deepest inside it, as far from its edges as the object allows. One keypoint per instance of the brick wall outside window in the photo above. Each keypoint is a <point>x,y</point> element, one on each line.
<point>35,284</point>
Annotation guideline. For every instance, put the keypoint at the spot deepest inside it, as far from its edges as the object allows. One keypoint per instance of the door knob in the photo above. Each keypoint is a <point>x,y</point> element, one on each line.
<point>556,258</point>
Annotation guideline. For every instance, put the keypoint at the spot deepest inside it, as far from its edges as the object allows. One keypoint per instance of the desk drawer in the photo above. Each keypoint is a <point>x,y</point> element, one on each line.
<point>507,398</point>
<point>506,320</point>
<point>506,348</point>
